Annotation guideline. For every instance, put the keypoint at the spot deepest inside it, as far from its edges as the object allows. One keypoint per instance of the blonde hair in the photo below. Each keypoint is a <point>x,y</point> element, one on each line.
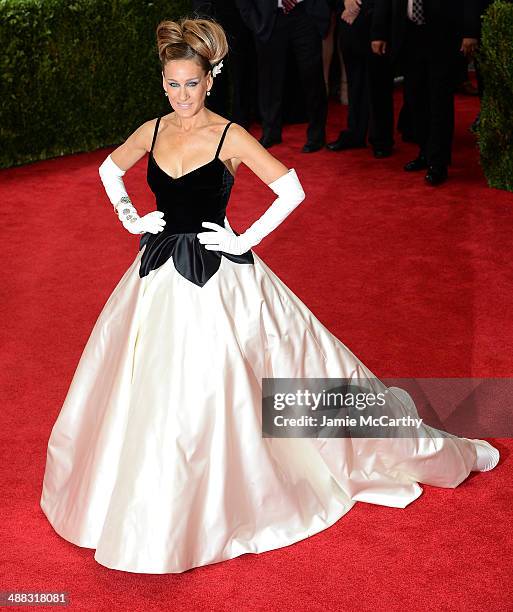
<point>203,40</point>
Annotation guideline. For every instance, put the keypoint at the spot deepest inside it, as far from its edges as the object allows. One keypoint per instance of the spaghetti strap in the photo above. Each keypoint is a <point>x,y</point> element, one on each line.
<point>222,138</point>
<point>155,134</point>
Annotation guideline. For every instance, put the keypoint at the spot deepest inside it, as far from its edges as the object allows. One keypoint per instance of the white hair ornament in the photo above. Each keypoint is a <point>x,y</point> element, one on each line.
<point>217,68</point>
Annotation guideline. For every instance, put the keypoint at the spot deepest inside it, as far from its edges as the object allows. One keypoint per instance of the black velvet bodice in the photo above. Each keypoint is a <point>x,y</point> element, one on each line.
<point>187,201</point>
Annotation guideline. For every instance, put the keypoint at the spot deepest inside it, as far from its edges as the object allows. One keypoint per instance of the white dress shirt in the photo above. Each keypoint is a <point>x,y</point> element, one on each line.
<point>410,9</point>
<point>280,3</point>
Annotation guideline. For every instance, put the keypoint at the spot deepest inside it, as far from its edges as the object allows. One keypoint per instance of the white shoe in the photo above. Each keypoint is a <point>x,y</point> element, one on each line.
<point>487,456</point>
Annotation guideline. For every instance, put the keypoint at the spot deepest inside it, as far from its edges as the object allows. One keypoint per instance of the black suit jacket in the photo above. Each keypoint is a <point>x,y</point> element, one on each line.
<point>366,5</point>
<point>445,18</point>
<point>260,15</point>
<point>223,11</point>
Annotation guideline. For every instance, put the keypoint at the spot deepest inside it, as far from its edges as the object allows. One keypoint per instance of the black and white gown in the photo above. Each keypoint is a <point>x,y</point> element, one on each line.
<point>157,458</point>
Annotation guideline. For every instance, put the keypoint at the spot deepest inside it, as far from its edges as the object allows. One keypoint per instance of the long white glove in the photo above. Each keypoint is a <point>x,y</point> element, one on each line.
<point>290,195</point>
<point>110,174</point>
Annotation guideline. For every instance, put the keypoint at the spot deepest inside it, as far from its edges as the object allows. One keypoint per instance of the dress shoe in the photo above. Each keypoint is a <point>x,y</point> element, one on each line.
<point>436,175</point>
<point>382,152</point>
<point>474,128</point>
<point>419,163</point>
<point>344,141</point>
<point>311,147</point>
<point>269,141</point>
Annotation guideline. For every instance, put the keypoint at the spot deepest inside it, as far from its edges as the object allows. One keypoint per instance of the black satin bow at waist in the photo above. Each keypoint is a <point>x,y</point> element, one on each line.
<point>191,259</point>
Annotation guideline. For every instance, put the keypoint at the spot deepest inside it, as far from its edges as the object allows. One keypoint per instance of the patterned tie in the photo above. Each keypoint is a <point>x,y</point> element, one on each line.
<point>288,5</point>
<point>418,12</point>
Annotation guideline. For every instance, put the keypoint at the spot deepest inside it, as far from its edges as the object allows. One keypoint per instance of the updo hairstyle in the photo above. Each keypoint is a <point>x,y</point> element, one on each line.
<point>203,40</point>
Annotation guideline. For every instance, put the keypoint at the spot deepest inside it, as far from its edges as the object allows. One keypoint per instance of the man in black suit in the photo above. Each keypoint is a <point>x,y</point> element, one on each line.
<point>428,36</point>
<point>370,83</point>
<point>276,26</point>
<point>232,97</point>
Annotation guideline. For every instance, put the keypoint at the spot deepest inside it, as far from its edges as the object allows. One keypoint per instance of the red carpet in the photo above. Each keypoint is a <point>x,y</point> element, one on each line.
<point>416,281</point>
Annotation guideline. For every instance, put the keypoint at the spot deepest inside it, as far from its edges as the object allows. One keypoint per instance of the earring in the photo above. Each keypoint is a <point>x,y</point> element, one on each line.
<point>208,92</point>
<point>165,92</point>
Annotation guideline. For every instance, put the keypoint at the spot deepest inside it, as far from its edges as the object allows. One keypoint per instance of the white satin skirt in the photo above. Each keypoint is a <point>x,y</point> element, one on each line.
<point>157,459</point>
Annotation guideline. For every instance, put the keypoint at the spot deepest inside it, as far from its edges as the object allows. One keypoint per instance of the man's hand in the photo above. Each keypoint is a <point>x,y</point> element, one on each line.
<point>469,46</point>
<point>348,17</point>
<point>379,47</point>
<point>351,10</point>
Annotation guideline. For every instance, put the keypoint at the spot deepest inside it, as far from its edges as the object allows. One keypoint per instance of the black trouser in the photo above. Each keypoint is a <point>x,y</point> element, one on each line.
<point>370,85</point>
<point>430,63</point>
<point>297,30</point>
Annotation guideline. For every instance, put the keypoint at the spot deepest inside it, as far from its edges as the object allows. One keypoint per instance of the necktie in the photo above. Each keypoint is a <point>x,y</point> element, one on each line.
<point>417,11</point>
<point>288,5</point>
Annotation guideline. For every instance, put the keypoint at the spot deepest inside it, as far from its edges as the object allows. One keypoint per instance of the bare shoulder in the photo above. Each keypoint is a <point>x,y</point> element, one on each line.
<point>243,146</point>
<point>143,135</point>
<point>217,124</point>
<point>238,134</point>
<point>239,142</point>
<point>135,146</point>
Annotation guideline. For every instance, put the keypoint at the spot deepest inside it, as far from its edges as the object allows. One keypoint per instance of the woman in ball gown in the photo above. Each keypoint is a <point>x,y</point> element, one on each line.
<point>157,459</point>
